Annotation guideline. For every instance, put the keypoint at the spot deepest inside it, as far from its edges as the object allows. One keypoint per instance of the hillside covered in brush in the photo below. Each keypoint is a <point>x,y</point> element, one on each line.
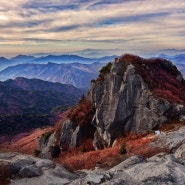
<point>29,103</point>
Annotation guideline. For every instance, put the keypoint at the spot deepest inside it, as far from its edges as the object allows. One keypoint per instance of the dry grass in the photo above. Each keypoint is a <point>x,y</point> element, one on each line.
<point>169,126</point>
<point>82,113</point>
<point>76,160</point>
<point>25,142</point>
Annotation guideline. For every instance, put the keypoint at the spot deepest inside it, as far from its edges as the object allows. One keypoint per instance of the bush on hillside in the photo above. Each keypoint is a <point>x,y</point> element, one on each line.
<point>46,135</point>
<point>123,150</point>
<point>83,112</point>
<point>37,153</point>
<point>55,151</point>
<point>105,69</point>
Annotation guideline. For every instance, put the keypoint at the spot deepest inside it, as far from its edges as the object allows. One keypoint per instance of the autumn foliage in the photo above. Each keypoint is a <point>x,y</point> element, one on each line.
<point>83,112</point>
<point>76,160</point>
<point>161,76</point>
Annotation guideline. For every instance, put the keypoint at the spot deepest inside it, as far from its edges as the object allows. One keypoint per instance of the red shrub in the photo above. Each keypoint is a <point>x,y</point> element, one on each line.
<point>83,113</point>
<point>78,160</point>
<point>160,75</point>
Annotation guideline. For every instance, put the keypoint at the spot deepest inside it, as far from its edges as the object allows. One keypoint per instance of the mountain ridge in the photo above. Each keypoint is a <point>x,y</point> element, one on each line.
<point>77,74</point>
<point>26,104</point>
<point>59,59</point>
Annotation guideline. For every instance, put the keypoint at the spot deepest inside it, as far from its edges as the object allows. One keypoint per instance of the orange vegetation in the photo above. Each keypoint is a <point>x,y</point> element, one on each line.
<point>172,125</point>
<point>82,113</point>
<point>160,75</point>
<point>136,144</point>
<point>25,142</point>
<point>76,159</point>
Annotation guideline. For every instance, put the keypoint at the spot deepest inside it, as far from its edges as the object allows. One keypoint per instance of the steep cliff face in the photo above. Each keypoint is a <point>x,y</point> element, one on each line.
<point>135,95</point>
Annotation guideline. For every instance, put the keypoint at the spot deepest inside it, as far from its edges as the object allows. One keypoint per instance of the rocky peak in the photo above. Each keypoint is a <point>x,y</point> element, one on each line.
<point>161,76</point>
<point>135,94</point>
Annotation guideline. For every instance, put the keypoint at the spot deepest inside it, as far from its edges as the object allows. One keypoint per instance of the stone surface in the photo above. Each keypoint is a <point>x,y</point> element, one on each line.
<point>68,127</point>
<point>71,134</point>
<point>180,153</point>
<point>171,139</point>
<point>31,170</point>
<point>51,142</point>
<point>160,169</point>
<point>124,103</point>
<point>45,163</point>
<point>45,145</point>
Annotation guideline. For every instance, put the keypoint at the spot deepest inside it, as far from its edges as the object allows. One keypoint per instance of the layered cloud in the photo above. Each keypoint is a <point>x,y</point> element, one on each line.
<point>133,25</point>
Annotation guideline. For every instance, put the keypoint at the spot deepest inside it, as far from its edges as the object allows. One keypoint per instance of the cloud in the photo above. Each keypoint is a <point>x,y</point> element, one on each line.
<point>136,24</point>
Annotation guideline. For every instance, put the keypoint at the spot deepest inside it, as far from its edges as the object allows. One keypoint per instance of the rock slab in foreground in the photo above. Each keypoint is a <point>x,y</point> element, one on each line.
<point>28,170</point>
<point>159,169</point>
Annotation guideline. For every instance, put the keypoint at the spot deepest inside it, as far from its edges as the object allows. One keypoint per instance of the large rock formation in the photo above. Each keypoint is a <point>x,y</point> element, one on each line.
<point>135,94</point>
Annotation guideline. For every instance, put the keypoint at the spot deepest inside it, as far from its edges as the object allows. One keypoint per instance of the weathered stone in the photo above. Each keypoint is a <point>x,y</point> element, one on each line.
<point>159,169</point>
<point>180,153</point>
<point>76,136</point>
<point>42,172</point>
<point>46,144</point>
<point>45,163</point>
<point>170,140</point>
<point>68,127</point>
<point>30,171</point>
<point>8,155</point>
<point>60,171</point>
<point>130,162</point>
<point>94,179</point>
<point>124,103</point>
<point>19,163</point>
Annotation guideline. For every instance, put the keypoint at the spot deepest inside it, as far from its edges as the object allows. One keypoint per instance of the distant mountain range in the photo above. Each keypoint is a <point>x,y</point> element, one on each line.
<point>23,59</point>
<point>76,74</point>
<point>24,96</point>
<point>178,60</point>
<point>66,69</point>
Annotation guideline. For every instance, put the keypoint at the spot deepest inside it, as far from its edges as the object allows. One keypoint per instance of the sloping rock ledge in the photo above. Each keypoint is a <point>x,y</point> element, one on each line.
<point>159,169</point>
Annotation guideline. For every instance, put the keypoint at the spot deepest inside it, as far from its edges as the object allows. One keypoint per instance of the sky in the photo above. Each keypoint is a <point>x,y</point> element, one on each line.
<point>64,26</point>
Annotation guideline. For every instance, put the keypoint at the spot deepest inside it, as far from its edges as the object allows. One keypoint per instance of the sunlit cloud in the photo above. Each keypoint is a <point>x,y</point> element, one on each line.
<point>135,25</point>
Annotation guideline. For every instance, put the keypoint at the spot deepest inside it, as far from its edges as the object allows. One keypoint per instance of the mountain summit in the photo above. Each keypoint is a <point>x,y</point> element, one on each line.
<point>135,94</point>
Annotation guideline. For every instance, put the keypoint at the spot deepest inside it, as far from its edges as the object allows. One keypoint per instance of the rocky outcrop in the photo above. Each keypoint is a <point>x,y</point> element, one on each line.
<point>171,140</point>
<point>49,146</point>
<point>139,171</point>
<point>28,170</point>
<point>180,152</point>
<point>70,135</point>
<point>127,98</point>
<point>160,169</point>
